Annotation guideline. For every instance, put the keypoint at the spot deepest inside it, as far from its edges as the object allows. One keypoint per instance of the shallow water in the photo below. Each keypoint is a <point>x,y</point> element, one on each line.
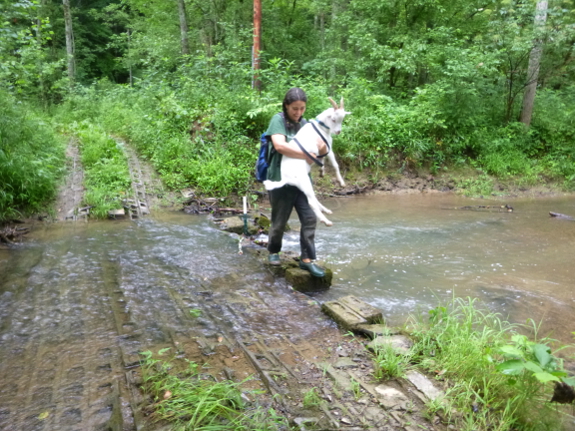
<point>409,253</point>
<point>78,300</point>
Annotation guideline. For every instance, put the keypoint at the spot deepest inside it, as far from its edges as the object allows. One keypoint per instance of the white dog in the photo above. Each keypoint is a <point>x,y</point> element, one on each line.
<point>296,171</point>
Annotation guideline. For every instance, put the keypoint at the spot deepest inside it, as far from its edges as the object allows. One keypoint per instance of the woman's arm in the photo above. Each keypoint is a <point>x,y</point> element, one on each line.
<point>293,151</point>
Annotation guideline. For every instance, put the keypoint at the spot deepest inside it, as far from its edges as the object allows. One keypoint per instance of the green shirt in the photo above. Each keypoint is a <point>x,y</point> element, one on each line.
<point>277,127</point>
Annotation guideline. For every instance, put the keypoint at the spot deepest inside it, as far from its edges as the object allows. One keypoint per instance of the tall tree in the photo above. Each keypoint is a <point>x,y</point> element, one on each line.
<point>69,42</point>
<point>183,27</point>
<point>534,62</point>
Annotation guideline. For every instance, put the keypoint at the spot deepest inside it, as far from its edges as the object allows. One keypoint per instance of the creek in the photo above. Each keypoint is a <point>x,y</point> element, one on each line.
<point>79,300</point>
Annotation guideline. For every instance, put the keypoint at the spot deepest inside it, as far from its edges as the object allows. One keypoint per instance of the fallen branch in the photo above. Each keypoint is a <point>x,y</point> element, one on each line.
<point>559,215</point>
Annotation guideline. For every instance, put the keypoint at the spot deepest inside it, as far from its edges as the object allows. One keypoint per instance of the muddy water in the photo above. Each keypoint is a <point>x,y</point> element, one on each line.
<point>79,300</point>
<point>409,253</point>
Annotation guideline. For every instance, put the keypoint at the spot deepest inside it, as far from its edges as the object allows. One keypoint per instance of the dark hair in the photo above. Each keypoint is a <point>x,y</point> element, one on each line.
<point>294,94</point>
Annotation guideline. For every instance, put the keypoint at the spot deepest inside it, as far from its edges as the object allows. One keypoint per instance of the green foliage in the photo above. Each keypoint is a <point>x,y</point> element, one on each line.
<point>503,375</point>
<point>192,400</point>
<point>390,363</point>
<point>523,356</point>
<point>31,159</point>
<point>106,174</point>
<point>311,399</point>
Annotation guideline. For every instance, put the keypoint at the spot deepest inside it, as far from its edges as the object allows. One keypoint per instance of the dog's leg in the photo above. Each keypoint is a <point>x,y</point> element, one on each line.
<point>324,209</point>
<point>306,187</point>
<point>333,161</point>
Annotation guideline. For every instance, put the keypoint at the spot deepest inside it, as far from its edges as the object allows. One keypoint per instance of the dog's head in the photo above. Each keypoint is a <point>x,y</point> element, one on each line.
<point>334,116</point>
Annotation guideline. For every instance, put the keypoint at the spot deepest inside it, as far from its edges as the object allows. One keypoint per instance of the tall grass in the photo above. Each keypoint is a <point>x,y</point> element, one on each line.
<point>194,401</point>
<point>31,159</point>
<point>490,368</point>
<point>106,173</point>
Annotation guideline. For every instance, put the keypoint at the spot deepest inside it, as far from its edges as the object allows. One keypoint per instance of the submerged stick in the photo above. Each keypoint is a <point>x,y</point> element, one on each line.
<point>559,215</point>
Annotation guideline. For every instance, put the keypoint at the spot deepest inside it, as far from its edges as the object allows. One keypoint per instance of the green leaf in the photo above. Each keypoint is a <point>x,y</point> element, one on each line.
<point>545,377</point>
<point>162,351</point>
<point>511,367</point>
<point>542,353</point>
<point>511,351</point>
<point>532,366</point>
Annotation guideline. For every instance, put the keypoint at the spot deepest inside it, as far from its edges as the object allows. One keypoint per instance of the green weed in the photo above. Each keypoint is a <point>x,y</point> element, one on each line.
<point>499,379</point>
<point>193,401</point>
<point>389,363</point>
<point>311,399</point>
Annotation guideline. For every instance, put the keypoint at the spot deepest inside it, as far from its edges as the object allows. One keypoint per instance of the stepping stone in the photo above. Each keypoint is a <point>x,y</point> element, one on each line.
<point>391,398</point>
<point>400,343</point>
<point>424,385</point>
<point>373,331</point>
<point>117,214</point>
<point>302,281</point>
<point>350,312</point>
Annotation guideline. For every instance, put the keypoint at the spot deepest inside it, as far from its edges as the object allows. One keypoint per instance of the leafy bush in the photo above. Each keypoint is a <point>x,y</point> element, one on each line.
<point>489,366</point>
<point>31,159</point>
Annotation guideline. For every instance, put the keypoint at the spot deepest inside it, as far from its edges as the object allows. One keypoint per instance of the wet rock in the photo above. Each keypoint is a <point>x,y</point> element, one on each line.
<point>340,378</point>
<point>117,214</point>
<point>236,225</point>
<point>302,281</point>
<point>350,312</point>
<point>424,385</point>
<point>399,343</point>
<point>391,398</point>
<point>377,330</point>
<point>345,363</point>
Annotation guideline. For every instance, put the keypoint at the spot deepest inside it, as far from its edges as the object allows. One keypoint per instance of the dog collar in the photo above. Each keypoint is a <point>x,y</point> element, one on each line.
<point>321,124</point>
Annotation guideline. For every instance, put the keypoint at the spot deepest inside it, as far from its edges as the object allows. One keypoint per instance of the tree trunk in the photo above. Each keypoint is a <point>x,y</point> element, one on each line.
<point>39,59</point>
<point>69,42</point>
<point>533,68</point>
<point>183,27</point>
<point>256,83</point>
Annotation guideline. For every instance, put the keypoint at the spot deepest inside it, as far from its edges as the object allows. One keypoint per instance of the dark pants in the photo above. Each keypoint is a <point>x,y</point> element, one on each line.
<point>283,200</point>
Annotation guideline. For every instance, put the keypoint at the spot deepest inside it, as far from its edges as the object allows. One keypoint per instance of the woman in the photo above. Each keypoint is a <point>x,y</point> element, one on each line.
<point>283,127</point>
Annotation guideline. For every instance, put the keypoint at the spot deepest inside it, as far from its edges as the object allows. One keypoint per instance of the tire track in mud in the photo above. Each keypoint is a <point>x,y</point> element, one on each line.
<point>58,365</point>
<point>144,190</point>
<point>77,311</point>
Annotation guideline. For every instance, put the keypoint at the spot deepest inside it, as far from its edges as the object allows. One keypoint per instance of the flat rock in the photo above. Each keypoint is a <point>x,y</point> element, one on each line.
<point>117,214</point>
<point>399,343</point>
<point>345,362</point>
<point>391,398</point>
<point>424,385</point>
<point>350,312</point>
<point>375,330</point>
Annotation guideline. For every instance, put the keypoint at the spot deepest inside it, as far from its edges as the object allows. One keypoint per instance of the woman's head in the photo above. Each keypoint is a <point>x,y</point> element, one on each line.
<point>294,104</point>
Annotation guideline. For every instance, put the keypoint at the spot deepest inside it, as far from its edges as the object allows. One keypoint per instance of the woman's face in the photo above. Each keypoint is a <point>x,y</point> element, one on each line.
<point>295,110</point>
